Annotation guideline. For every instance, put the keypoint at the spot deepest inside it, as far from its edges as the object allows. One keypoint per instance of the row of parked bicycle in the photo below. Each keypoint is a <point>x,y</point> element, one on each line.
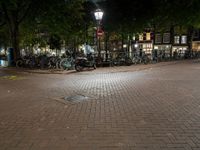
<point>45,62</point>
<point>143,58</point>
<point>69,62</point>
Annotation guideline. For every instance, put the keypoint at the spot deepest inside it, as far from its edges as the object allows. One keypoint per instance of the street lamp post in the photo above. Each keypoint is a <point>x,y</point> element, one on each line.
<point>98,16</point>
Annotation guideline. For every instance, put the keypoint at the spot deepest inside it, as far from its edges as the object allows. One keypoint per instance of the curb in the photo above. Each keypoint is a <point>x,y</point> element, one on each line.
<point>125,69</point>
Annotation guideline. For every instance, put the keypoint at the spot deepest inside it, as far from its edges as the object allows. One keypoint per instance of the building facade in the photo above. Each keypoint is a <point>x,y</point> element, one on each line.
<point>196,40</point>
<point>168,42</point>
<point>163,43</point>
<point>145,41</point>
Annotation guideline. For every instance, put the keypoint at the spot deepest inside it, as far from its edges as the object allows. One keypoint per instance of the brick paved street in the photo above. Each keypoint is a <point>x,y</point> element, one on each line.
<point>144,107</point>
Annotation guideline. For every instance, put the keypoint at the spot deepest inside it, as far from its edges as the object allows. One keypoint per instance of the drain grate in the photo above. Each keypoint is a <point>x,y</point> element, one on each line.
<point>76,98</point>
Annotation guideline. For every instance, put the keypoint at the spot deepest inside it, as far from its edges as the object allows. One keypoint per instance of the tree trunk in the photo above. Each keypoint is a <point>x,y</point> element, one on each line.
<point>15,41</point>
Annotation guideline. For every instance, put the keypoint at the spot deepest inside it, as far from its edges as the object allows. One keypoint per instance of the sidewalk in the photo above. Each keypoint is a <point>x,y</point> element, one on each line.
<point>104,69</point>
<point>127,108</point>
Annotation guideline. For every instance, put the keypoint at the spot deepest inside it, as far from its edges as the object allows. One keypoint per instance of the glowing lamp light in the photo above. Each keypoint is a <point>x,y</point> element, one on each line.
<point>98,14</point>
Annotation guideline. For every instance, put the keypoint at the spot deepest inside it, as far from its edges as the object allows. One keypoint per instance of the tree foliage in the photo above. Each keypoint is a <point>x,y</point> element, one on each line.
<point>59,17</point>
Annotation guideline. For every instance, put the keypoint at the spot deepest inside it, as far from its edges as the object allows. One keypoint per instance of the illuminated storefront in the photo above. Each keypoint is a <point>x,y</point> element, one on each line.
<point>196,45</point>
<point>180,45</point>
<point>196,40</point>
<point>162,43</point>
<point>180,50</point>
<point>146,47</point>
<point>164,49</point>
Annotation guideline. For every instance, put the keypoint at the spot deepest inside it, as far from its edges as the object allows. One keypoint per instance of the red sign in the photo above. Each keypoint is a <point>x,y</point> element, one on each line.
<point>100,32</point>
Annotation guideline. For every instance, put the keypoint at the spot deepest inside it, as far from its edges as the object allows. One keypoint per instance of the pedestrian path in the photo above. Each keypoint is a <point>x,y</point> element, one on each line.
<point>126,108</point>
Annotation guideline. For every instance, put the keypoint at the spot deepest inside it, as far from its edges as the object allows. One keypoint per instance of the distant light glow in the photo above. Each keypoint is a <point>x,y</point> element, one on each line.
<point>124,46</point>
<point>156,47</point>
<point>136,45</point>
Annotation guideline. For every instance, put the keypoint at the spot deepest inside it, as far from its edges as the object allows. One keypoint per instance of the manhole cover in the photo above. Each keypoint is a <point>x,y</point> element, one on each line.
<point>76,98</point>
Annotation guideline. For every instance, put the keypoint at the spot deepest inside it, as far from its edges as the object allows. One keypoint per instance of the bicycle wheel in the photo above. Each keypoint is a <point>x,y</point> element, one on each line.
<point>19,63</point>
<point>78,68</point>
<point>65,64</point>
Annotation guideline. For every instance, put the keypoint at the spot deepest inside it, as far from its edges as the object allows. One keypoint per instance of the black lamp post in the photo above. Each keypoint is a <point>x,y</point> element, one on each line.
<point>98,16</point>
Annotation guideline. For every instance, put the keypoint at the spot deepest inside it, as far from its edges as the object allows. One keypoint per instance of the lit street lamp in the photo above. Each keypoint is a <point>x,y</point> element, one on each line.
<point>98,16</point>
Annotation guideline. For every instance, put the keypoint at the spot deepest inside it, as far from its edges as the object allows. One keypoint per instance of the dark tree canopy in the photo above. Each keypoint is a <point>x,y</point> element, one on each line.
<point>30,17</point>
<point>135,15</point>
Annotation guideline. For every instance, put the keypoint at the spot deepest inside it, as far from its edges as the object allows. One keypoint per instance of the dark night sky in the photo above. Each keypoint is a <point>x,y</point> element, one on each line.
<point>95,0</point>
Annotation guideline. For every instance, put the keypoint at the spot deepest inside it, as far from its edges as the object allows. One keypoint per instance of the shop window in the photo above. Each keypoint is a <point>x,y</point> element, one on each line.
<point>147,48</point>
<point>156,47</point>
<point>196,46</point>
<point>158,38</point>
<point>176,39</point>
<point>166,38</point>
<point>184,39</point>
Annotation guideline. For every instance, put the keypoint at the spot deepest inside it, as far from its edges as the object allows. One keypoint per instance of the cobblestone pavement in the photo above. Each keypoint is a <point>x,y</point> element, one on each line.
<point>126,108</point>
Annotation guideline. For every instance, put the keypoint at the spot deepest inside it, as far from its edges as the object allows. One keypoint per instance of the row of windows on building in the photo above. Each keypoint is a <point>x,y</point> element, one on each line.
<point>165,38</point>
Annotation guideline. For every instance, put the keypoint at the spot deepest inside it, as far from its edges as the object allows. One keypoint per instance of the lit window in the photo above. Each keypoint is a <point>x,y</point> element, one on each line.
<point>158,38</point>
<point>184,39</point>
<point>148,36</point>
<point>141,37</point>
<point>176,39</point>
<point>166,38</point>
